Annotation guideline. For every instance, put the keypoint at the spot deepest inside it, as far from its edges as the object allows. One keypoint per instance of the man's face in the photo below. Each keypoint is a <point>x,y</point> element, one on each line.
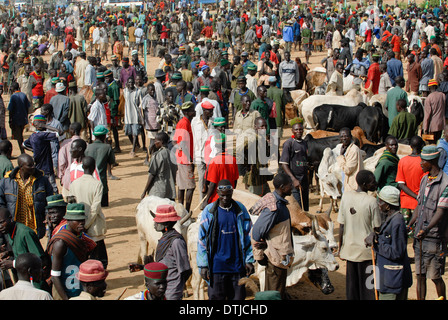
<point>392,146</point>
<point>157,288</point>
<point>99,289</point>
<point>346,138</point>
<point>225,195</point>
<point>287,188</point>
<point>241,84</point>
<point>262,92</point>
<point>55,215</point>
<point>5,222</point>
<point>297,131</point>
<point>77,226</point>
<point>287,56</point>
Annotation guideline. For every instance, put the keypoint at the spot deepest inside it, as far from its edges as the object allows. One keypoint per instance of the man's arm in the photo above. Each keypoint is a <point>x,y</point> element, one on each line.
<point>59,251</point>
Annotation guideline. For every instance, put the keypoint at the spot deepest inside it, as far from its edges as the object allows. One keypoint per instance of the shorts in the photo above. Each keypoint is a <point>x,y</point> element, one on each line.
<point>185,177</point>
<point>133,129</point>
<point>433,258</point>
<point>307,47</point>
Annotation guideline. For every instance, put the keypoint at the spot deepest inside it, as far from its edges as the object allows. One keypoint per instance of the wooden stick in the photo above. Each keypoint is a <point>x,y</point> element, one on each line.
<point>203,199</point>
<point>119,297</point>
<point>374,273</point>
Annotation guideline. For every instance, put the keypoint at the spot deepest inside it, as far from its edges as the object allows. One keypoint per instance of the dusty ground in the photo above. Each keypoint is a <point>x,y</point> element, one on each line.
<point>122,239</point>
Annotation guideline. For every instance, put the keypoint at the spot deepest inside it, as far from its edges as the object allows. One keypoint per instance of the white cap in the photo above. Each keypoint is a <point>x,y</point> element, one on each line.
<point>60,87</point>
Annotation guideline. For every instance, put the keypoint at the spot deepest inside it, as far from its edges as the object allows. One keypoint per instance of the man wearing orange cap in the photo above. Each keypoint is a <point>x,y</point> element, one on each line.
<point>155,282</point>
<point>434,112</point>
<point>92,277</point>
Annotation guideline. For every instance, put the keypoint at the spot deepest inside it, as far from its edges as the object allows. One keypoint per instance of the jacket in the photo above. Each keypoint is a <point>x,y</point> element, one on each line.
<point>273,225</point>
<point>208,234</point>
<point>392,257</point>
<point>41,190</point>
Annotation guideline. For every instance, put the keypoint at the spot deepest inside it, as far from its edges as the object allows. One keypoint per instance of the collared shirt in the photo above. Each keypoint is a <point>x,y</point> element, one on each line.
<point>24,290</point>
<point>25,202</point>
<point>64,161</point>
<point>84,296</point>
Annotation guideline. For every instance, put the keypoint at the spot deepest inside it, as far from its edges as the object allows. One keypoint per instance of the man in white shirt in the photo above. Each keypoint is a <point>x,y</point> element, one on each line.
<point>29,270</point>
<point>97,115</point>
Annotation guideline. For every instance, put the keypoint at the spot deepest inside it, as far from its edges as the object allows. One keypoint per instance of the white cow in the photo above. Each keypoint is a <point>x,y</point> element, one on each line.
<point>311,251</point>
<point>148,236</point>
<point>352,98</point>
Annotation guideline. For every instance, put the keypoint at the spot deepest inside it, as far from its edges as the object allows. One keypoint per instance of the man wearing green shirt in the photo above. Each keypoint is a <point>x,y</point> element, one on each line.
<point>261,105</point>
<point>238,93</point>
<point>113,92</point>
<point>21,239</point>
<point>276,94</point>
<point>104,157</point>
<point>387,166</point>
<point>404,126</point>
<point>393,95</point>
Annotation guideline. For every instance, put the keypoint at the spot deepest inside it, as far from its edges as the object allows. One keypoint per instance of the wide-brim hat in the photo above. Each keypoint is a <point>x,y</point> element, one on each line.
<point>75,211</point>
<point>100,130</point>
<point>60,87</point>
<point>430,152</point>
<point>166,213</point>
<point>91,271</point>
<point>56,200</point>
<point>159,73</point>
<point>390,195</point>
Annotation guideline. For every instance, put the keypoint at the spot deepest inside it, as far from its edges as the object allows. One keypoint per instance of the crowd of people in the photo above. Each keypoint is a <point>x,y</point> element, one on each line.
<point>78,78</point>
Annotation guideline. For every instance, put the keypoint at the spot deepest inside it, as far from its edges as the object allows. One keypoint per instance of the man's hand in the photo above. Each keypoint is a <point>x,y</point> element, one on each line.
<point>6,264</point>
<point>296,184</point>
<point>249,269</point>
<point>371,239</point>
<point>134,267</point>
<point>260,245</point>
<point>205,274</point>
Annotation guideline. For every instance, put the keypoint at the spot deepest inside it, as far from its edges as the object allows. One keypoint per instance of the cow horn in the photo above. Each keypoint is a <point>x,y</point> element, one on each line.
<point>314,226</point>
<point>152,213</point>
<point>328,212</point>
<point>185,218</point>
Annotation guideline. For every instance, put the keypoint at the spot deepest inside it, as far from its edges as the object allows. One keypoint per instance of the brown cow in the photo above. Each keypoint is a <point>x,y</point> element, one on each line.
<point>357,133</point>
<point>314,79</point>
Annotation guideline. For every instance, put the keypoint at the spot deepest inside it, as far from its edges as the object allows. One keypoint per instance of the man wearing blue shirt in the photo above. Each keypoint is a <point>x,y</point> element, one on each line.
<point>394,67</point>
<point>18,114</point>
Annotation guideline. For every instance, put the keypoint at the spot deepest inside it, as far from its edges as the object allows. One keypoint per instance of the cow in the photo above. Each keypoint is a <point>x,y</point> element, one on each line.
<point>374,123</point>
<point>301,223</point>
<point>329,181</point>
<point>357,133</point>
<point>307,106</point>
<point>291,109</point>
<point>381,99</point>
<point>334,117</point>
<point>315,78</point>
<point>144,217</point>
<point>311,252</point>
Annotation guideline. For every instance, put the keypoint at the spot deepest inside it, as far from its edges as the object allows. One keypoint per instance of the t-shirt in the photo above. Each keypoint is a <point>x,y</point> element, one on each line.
<point>183,135</point>
<point>295,155</point>
<point>227,257</point>
<point>222,166</point>
<point>410,173</point>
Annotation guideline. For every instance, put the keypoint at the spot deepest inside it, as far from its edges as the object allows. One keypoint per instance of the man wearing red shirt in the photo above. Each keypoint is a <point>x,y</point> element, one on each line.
<point>396,44</point>
<point>222,167</point>
<point>373,75</point>
<point>183,139</point>
<point>38,89</point>
<point>409,174</point>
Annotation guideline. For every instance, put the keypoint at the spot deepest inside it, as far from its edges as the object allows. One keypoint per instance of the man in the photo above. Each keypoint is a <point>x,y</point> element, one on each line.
<point>443,147</point>
<point>20,239</point>
<point>97,113</point>
<point>61,105</point>
<point>18,194</point>
<point>263,107</point>
<point>89,191</point>
<point>386,167</point>
<point>336,82</point>
<point>271,235</point>
<point>329,63</point>
<point>183,139</point>
<point>430,224</point>
<point>404,126</point>
<point>65,158</point>
<point>80,69</point>
<point>393,95</point>
<point>288,72</point>
<point>394,67</point>
<point>358,215</point>
<point>68,249</point>
<point>200,126</point>
<point>155,282</point>
<point>161,171</point>
<point>350,160</point>
<point>279,97</point>
<point>225,255</point>
<point>5,157</point>
<point>409,175</point>
<point>373,75</point>
<point>104,157</point>
<point>18,108</point>
<point>238,93</point>
<point>92,277</point>
<point>29,271</point>
<point>434,112</point>
<point>414,75</point>
<point>221,167</point>
<point>427,65</point>
<point>294,162</point>
<point>127,71</point>
<point>78,108</point>
<point>244,119</point>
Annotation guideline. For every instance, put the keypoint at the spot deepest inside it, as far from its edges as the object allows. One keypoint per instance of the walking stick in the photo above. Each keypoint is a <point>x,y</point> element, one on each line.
<point>122,293</point>
<point>374,273</point>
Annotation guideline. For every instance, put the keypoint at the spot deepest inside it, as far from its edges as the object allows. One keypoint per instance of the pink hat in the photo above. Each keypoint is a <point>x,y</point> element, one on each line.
<point>91,270</point>
<point>165,213</point>
<point>207,105</point>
